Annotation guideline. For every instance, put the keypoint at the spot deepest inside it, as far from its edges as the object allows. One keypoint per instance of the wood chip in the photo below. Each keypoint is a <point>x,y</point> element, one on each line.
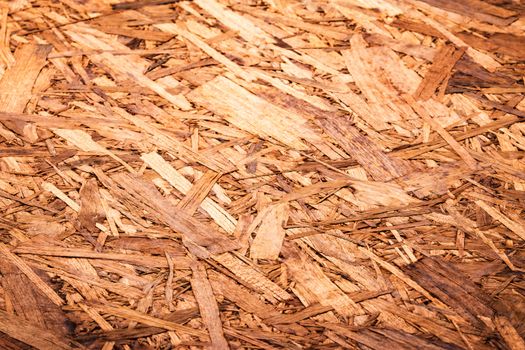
<point>208,306</point>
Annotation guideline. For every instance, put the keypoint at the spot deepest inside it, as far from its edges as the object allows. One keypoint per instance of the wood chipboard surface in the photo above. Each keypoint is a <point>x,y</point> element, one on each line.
<point>275,174</point>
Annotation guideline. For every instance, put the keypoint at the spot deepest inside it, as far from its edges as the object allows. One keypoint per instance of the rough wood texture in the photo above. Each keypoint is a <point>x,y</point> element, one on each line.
<point>274,174</point>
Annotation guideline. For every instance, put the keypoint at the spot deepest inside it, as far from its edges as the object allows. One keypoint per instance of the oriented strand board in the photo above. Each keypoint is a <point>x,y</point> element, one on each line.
<point>277,174</point>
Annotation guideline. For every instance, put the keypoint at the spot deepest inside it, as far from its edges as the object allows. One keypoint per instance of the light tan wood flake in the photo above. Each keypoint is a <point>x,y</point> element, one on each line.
<point>270,235</point>
<point>252,113</point>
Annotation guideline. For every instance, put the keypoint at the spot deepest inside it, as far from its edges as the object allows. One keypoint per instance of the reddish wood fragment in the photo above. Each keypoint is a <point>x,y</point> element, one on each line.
<point>441,68</point>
